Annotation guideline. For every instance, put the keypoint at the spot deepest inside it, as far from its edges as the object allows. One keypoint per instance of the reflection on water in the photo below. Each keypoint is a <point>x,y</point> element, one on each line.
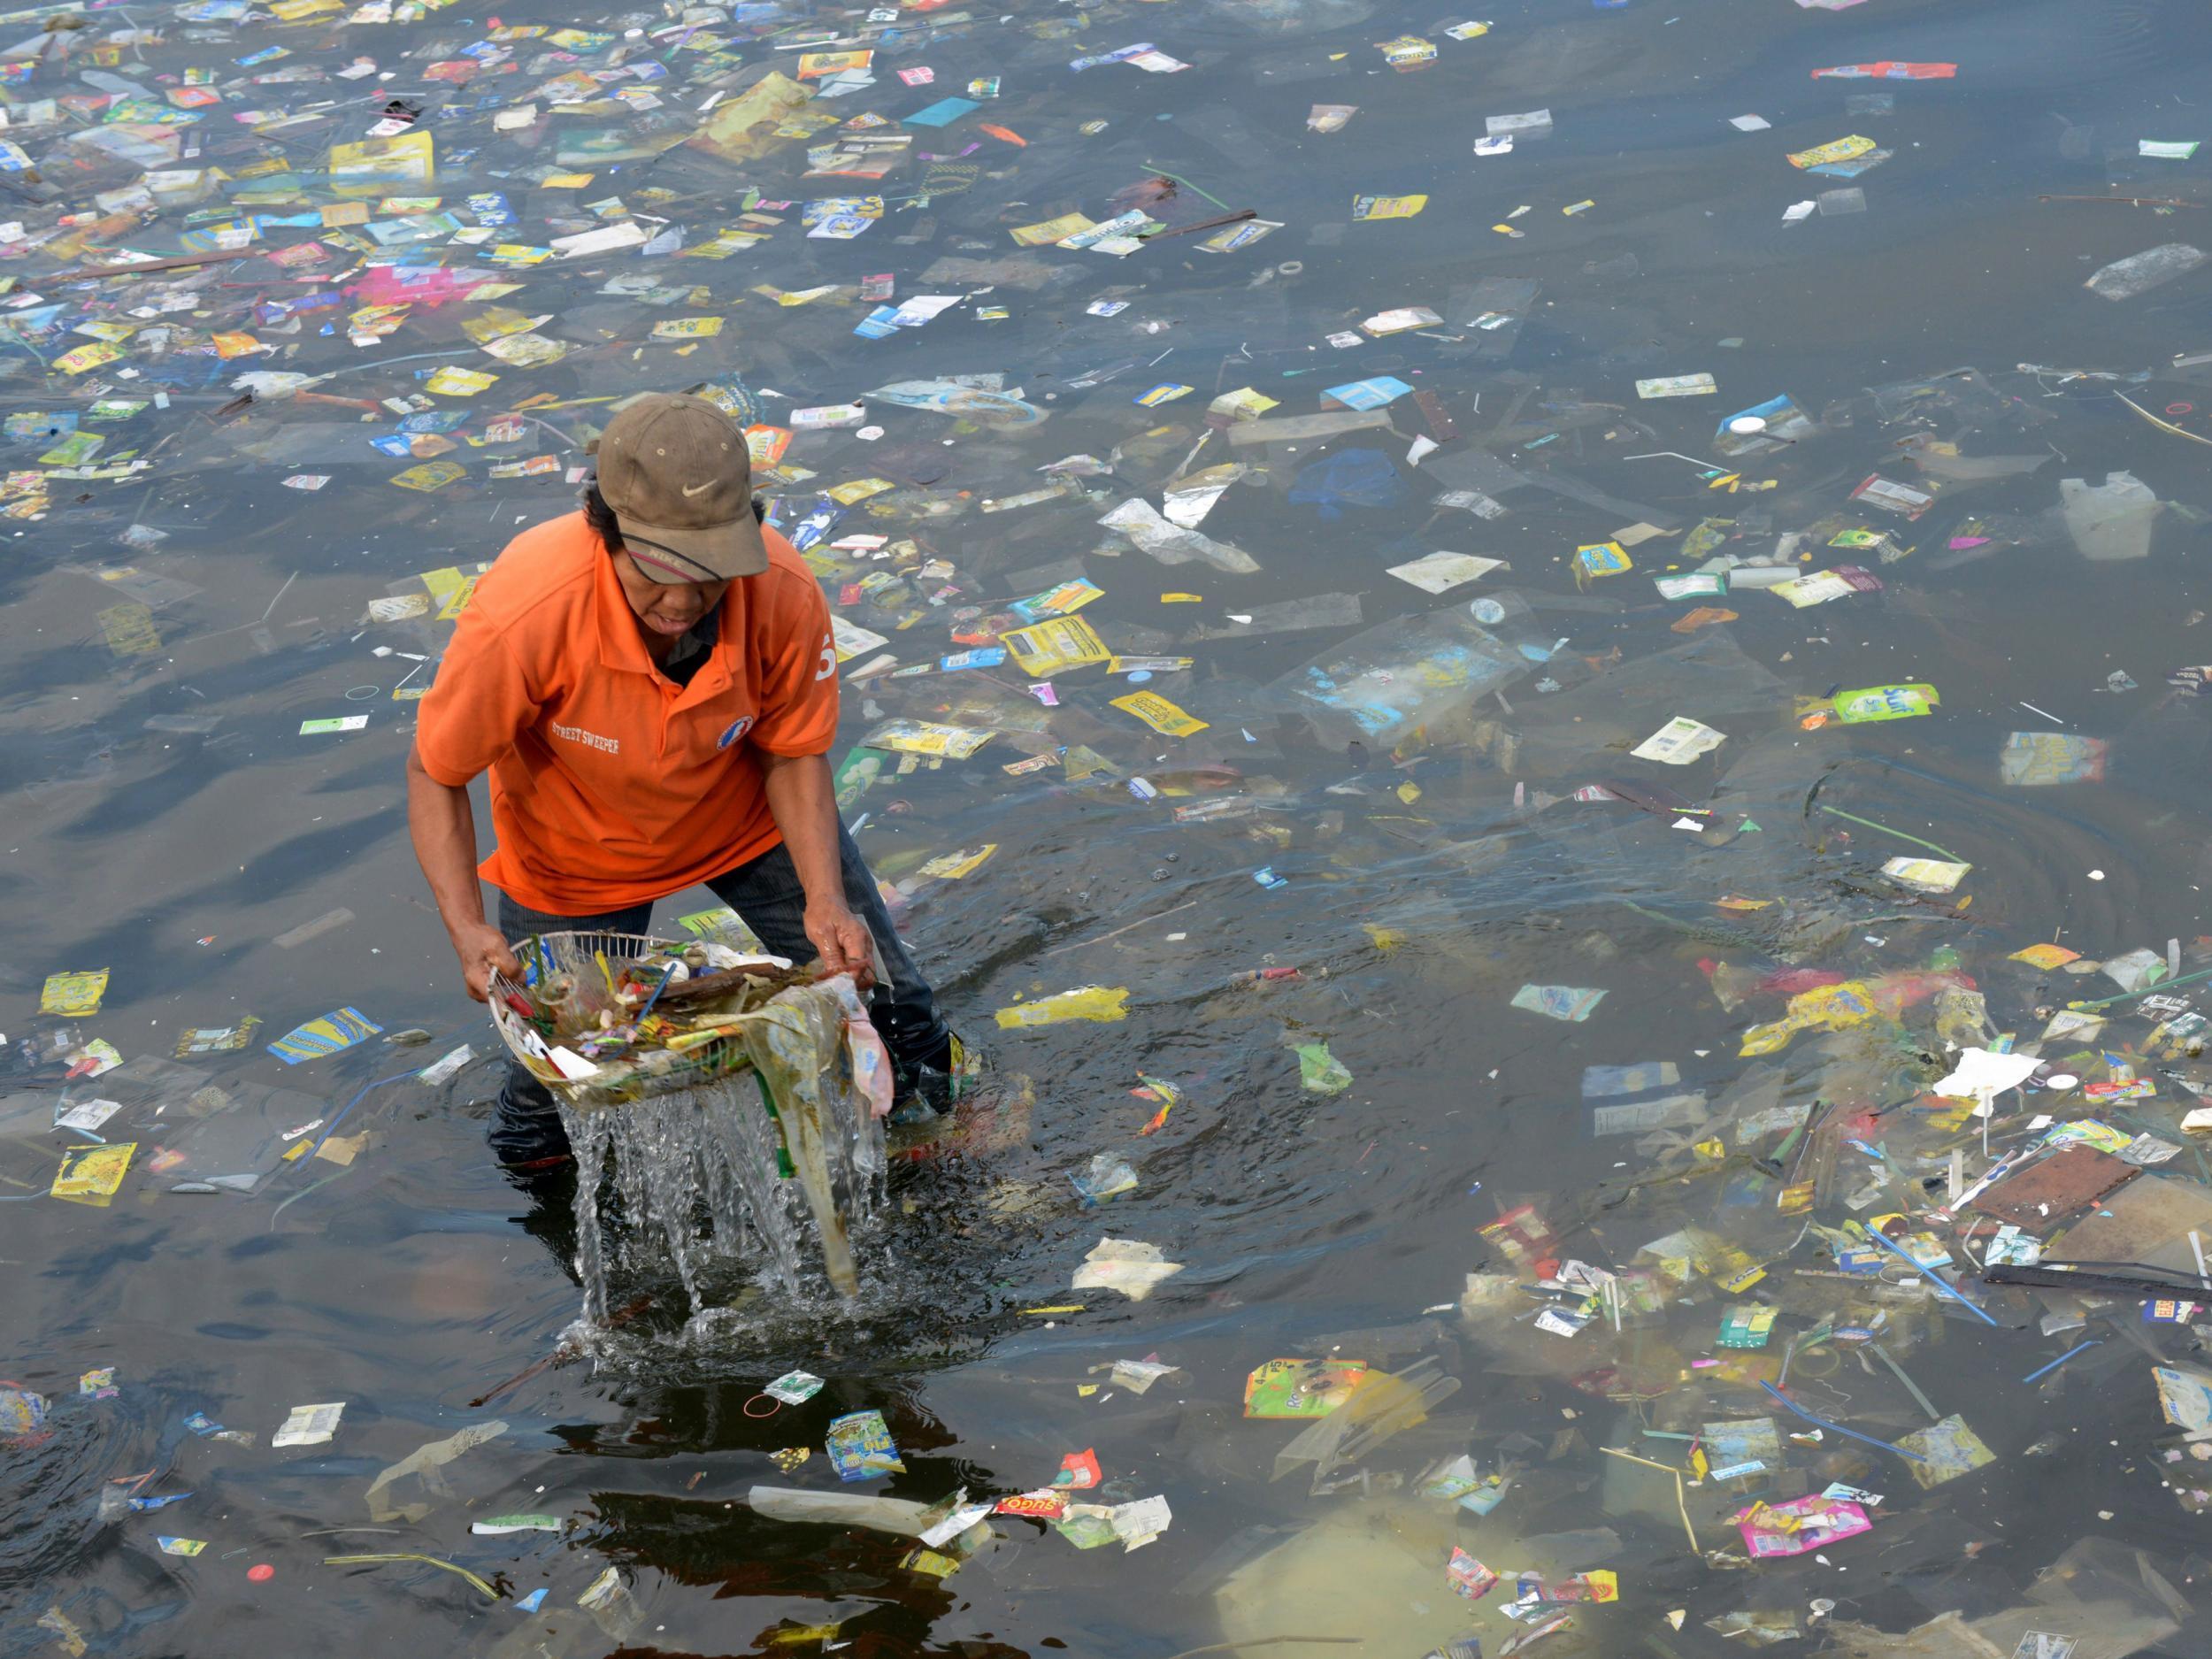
<point>1522,993</point>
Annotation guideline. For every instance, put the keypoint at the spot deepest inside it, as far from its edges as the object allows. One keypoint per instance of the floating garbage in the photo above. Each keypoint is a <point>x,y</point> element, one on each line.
<point>2138,274</point>
<point>2111,520</point>
<point>1582,1015</point>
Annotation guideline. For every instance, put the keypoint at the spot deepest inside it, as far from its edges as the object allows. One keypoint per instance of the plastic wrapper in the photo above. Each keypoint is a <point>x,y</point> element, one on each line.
<point>1385,1404</point>
<point>1384,684</point>
<point>1350,477</point>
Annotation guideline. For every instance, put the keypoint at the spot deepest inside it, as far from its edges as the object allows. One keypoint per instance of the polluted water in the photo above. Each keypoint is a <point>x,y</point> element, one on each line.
<point>1534,684</point>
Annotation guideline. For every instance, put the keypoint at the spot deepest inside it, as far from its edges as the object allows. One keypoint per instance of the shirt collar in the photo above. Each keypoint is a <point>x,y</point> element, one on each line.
<point>620,646</point>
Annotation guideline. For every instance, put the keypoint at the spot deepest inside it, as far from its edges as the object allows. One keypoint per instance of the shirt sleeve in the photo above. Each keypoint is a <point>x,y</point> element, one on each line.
<point>798,671</point>
<point>477,706</point>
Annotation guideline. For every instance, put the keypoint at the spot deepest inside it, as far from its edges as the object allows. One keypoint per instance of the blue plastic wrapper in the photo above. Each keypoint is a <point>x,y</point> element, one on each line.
<point>1350,477</point>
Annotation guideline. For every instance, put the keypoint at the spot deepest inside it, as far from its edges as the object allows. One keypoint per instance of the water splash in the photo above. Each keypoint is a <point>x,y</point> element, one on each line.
<point>768,1172</point>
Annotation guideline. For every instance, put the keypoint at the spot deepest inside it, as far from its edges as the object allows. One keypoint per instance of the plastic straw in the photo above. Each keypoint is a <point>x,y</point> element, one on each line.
<point>2062,1359</point>
<point>1187,184</point>
<point>428,1561</point>
<point>1928,1274</point>
<point>1911,1387</point>
<point>2149,990</point>
<point>1884,828</point>
<point>1838,1428</point>
<point>655,997</point>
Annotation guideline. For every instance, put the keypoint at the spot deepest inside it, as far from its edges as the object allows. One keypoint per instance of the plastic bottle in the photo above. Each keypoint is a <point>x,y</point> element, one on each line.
<point>900,1515</point>
<point>2111,520</point>
<point>2138,274</point>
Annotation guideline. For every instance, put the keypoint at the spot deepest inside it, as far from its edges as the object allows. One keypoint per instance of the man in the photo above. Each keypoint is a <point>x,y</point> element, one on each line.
<point>651,684</point>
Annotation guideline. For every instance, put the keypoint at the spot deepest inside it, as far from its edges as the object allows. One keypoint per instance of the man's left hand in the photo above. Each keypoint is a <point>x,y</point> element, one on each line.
<point>843,942</point>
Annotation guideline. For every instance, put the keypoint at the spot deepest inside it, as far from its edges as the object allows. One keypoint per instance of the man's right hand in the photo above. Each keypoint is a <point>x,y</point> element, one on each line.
<point>483,951</point>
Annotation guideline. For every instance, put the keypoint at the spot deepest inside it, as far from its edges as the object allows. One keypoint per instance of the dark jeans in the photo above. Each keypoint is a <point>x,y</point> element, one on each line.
<point>767,896</point>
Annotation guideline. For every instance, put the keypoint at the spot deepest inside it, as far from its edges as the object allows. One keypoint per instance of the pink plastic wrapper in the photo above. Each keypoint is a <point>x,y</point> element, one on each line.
<point>871,1060</point>
<point>414,285</point>
<point>1820,1522</point>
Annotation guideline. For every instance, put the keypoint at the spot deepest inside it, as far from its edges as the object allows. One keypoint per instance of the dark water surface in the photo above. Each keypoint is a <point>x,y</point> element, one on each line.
<point>169,822</point>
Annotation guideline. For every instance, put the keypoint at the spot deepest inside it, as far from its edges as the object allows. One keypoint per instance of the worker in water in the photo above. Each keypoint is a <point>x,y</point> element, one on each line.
<point>651,685</point>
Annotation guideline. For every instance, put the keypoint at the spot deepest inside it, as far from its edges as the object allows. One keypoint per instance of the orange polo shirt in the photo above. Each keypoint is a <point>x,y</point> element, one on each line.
<point>611,784</point>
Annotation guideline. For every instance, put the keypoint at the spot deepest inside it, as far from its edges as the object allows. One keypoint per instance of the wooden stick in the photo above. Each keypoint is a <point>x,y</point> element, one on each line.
<point>177,263</point>
<point>1689,1531</point>
<point>1205,224</point>
<point>562,1354</point>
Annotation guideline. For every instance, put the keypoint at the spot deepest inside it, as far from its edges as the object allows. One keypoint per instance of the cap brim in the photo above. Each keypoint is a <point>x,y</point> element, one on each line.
<point>716,555</point>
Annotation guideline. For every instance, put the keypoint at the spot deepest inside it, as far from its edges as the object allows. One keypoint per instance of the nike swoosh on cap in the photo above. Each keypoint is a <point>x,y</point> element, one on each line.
<point>690,490</point>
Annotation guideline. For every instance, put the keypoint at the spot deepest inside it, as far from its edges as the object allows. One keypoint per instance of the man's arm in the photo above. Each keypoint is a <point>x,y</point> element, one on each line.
<point>803,799</point>
<point>443,828</point>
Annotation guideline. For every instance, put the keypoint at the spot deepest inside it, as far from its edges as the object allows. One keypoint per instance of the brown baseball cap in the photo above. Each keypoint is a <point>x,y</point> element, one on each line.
<point>676,470</point>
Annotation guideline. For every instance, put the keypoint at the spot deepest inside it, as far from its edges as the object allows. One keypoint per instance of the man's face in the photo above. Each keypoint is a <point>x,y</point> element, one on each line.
<point>666,609</point>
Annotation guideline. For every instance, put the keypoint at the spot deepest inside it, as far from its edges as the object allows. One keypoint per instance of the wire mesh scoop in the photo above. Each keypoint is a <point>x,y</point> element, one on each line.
<point>708,1085</point>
